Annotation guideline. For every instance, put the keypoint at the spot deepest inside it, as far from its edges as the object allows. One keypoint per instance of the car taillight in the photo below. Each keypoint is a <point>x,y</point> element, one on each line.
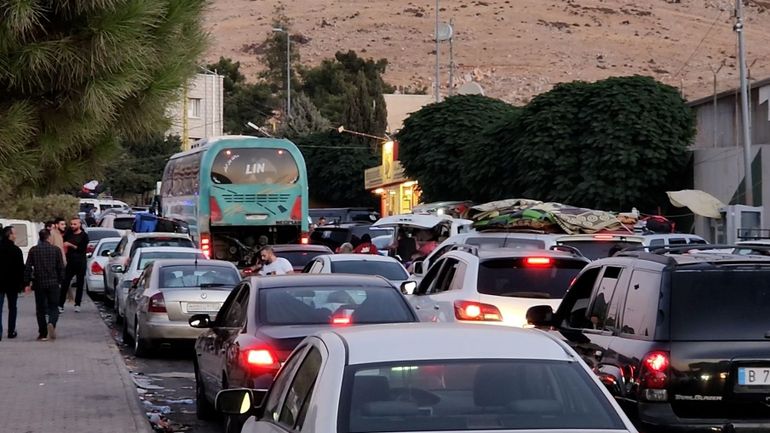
<point>538,261</point>
<point>214,210</point>
<point>296,210</point>
<point>157,304</point>
<point>604,237</point>
<point>261,359</point>
<point>469,310</point>
<point>96,268</point>
<point>206,245</point>
<point>654,376</point>
<point>305,239</point>
<point>341,320</point>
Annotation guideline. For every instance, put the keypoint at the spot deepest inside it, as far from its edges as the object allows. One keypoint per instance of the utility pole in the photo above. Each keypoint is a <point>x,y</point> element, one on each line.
<point>438,45</point>
<point>451,59</point>
<point>738,28</point>
<point>288,68</point>
<point>716,72</point>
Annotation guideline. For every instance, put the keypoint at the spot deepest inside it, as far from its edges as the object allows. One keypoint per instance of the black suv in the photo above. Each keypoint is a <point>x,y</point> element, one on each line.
<point>681,340</point>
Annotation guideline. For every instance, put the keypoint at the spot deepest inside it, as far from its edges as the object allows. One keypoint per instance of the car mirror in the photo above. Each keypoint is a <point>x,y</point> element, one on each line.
<point>106,253</point>
<point>89,255</point>
<point>200,321</point>
<point>408,287</point>
<point>540,316</point>
<point>240,401</point>
<point>118,269</point>
<point>418,267</point>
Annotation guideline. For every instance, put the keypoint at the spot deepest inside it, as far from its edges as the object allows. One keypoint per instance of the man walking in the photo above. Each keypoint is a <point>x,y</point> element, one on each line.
<point>11,277</point>
<point>76,244</point>
<point>43,274</point>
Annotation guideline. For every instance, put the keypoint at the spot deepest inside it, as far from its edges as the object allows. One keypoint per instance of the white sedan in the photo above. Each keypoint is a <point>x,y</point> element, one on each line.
<point>359,264</point>
<point>417,378</point>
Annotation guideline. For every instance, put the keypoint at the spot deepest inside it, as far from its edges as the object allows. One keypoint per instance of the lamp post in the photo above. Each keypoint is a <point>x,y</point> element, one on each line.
<point>288,69</point>
<point>748,181</point>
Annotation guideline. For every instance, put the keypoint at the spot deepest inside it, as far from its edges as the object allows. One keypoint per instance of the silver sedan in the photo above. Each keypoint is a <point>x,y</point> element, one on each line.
<point>168,293</point>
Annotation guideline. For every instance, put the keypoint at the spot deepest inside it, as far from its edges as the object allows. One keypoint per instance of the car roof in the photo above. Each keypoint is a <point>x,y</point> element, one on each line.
<point>508,253</point>
<point>158,235</point>
<point>310,280</point>
<point>360,258</point>
<point>300,247</point>
<point>100,229</point>
<point>699,257</point>
<point>181,262</point>
<point>168,250</point>
<point>418,341</point>
<point>110,239</point>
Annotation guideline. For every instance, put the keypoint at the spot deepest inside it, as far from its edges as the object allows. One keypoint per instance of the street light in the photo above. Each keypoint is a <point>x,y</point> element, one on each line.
<point>288,69</point>
<point>384,139</point>
<point>258,129</point>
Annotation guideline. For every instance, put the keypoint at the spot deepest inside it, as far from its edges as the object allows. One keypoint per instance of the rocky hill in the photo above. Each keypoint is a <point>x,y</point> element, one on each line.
<point>514,48</point>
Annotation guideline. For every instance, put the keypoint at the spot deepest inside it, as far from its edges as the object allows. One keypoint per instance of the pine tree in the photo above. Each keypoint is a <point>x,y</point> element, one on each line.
<point>305,119</point>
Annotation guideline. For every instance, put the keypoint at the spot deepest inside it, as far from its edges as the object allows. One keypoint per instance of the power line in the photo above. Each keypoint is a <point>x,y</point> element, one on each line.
<point>697,47</point>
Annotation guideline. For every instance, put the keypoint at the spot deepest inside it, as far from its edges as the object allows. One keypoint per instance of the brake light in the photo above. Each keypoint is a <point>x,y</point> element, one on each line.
<point>654,376</point>
<point>214,209</point>
<point>296,210</point>
<point>157,304</point>
<point>476,311</point>
<point>96,268</point>
<point>341,320</point>
<point>538,261</point>
<point>604,237</point>
<point>261,359</point>
<point>305,239</point>
<point>206,245</point>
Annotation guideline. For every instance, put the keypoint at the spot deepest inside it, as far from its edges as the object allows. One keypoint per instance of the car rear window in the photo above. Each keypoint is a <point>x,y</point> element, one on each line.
<point>203,276</point>
<point>331,237</point>
<point>163,241</point>
<point>720,305</point>
<point>95,235</point>
<point>387,270</point>
<point>332,304</point>
<point>598,249</point>
<point>123,223</point>
<point>107,246</point>
<point>473,395</point>
<point>505,242</point>
<point>147,258</point>
<point>299,258</point>
<point>527,277</point>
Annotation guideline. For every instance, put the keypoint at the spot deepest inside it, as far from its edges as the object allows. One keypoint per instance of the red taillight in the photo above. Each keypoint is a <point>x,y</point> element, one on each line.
<point>305,239</point>
<point>261,359</point>
<point>469,310</point>
<point>206,245</point>
<point>96,268</point>
<point>296,210</point>
<point>341,320</point>
<point>654,373</point>
<point>604,237</point>
<point>214,210</point>
<point>157,304</point>
<point>538,261</point>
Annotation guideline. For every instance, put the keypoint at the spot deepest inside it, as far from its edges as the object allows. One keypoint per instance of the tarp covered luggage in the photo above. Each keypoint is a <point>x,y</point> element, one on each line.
<point>145,222</point>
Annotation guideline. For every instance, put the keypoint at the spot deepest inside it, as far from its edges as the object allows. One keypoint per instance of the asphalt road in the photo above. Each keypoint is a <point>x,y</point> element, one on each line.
<point>165,383</point>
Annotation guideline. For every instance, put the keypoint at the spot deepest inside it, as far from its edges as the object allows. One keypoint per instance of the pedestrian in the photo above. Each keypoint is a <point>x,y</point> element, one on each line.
<point>57,230</point>
<point>43,274</point>
<point>11,277</point>
<point>91,217</point>
<point>366,246</point>
<point>346,248</point>
<point>322,221</point>
<point>272,264</point>
<point>76,244</point>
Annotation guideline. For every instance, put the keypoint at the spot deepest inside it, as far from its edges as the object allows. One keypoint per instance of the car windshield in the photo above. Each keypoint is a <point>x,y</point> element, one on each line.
<point>162,242</point>
<point>254,166</point>
<point>597,249</point>
<point>123,223</point>
<point>527,277</point>
<point>473,395</point>
<point>388,270</point>
<point>299,258</point>
<point>203,276</point>
<point>720,305</point>
<point>145,259</point>
<point>332,304</point>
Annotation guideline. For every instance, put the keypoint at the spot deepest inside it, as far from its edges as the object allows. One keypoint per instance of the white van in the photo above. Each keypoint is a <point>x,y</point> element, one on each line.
<point>26,233</point>
<point>101,205</point>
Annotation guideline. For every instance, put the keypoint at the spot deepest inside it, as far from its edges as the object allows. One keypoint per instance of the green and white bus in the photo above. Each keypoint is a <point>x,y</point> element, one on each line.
<point>231,190</point>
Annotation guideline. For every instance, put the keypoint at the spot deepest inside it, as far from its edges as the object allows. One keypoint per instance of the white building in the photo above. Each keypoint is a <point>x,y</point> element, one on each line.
<point>199,114</point>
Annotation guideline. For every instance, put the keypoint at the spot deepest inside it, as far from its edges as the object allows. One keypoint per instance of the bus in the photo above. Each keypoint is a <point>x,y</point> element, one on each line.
<point>231,190</point>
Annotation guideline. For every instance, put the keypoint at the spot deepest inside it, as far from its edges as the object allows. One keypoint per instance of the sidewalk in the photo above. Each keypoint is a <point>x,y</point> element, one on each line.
<point>76,383</point>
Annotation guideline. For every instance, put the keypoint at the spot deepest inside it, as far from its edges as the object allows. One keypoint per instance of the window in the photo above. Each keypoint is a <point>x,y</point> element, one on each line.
<point>516,277</point>
<point>146,259</point>
<point>106,246</point>
<point>202,275</point>
<point>279,385</point>
<point>389,270</point>
<point>641,311</point>
<point>595,249</point>
<point>235,311</point>
<point>300,258</point>
<point>121,247</point>
<point>254,166</point>
<point>604,308</point>
<point>445,277</point>
<point>298,395</point>
<point>657,243</point>
<point>577,299</point>
<point>194,107</point>
<point>677,241</point>
<point>459,277</point>
<point>427,281</point>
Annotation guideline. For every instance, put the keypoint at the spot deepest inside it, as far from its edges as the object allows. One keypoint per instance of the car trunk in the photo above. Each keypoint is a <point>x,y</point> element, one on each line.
<point>183,303</point>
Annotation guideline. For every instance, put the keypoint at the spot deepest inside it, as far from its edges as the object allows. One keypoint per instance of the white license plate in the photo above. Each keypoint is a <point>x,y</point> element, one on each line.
<point>754,376</point>
<point>202,307</point>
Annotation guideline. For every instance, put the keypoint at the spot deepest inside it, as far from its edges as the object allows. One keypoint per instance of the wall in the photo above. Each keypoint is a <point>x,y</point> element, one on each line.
<point>204,109</point>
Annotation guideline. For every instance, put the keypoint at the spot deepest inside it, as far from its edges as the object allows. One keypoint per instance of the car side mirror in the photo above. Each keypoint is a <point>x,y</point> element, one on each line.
<point>200,321</point>
<point>118,269</point>
<point>240,401</point>
<point>408,287</point>
<point>540,316</point>
<point>107,253</point>
<point>418,267</point>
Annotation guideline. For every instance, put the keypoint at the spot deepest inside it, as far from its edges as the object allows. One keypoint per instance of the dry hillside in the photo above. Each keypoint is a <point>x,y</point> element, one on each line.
<point>515,48</point>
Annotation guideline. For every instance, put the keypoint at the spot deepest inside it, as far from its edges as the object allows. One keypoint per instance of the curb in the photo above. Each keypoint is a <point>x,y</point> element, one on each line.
<point>141,423</point>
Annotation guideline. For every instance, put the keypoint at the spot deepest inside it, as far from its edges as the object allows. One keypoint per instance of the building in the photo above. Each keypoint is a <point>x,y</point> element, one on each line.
<point>199,113</point>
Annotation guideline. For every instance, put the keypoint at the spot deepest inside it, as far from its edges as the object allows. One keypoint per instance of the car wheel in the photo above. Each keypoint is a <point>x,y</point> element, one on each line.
<point>116,310</point>
<point>204,410</point>
<point>142,347</point>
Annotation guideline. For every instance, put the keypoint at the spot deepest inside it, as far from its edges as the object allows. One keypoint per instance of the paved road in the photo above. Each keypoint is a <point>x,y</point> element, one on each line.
<point>165,380</point>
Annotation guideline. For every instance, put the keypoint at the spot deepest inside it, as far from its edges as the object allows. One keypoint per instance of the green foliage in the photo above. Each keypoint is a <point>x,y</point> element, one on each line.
<point>436,141</point>
<point>305,119</point>
<point>41,208</point>
<point>78,75</point>
<point>274,57</point>
<point>611,144</point>
<point>335,165</point>
<point>243,102</point>
<point>140,164</point>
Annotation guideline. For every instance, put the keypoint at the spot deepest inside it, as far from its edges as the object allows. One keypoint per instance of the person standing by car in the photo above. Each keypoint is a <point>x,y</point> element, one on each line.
<point>272,264</point>
<point>366,246</point>
<point>76,243</point>
<point>57,236</point>
<point>11,277</point>
<point>43,273</point>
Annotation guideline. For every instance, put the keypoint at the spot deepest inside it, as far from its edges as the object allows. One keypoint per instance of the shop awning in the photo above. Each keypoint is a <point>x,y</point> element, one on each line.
<point>699,202</point>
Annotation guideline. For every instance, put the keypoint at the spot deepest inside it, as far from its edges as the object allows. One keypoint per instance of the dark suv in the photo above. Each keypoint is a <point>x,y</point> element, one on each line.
<point>681,340</point>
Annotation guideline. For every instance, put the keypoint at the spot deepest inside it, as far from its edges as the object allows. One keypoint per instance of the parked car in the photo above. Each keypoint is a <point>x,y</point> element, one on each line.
<point>493,286</point>
<point>97,261</point>
<point>124,222</point>
<point>334,235</point>
<point>298,255</point>
<point>344,215</point>
<point>266,317</point>
<point>168,293</point>
<point>96,234</point>
<point>411,378</point>
<point>143,257</point>
<point>359,264</point>
<point>602,245</point>
<point>100,205</point>
<point>681,340</point>
<point>129,243</point>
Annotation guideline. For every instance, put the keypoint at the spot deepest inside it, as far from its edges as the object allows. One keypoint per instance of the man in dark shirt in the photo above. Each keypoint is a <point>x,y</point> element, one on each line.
<point>11,277</point>
<point>43,274</point>
<point>76,244</point>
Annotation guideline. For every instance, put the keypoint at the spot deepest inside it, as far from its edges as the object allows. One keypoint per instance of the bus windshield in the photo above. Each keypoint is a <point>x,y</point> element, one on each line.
<point>254,166</point>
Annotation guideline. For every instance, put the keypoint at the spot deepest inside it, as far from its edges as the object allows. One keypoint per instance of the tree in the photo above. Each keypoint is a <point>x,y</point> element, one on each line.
<point>436,141</point>
<point>612,144</point>
<point>305,119</point>
<point>243,102</point>
<point>274,57</point>
<point>77,76</point>
<point>335,165</point>
<point>141,164</point>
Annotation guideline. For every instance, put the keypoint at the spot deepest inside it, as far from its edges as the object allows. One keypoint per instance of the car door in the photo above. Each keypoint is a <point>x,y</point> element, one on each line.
<point>419,300</point>
<point>446,290</point>
<point>134,296</point>
<point>116,258</point>
<point>226,343</point>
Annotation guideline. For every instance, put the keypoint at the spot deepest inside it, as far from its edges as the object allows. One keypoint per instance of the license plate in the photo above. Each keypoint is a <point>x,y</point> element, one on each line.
<point>754,376</point>
<point>199,307</point>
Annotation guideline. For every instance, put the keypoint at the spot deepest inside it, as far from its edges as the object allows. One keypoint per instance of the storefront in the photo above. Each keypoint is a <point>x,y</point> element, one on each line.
<point>398,195</point>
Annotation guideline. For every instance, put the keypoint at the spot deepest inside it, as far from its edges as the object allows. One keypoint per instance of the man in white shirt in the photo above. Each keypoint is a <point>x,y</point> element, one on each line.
<point>272,264</point>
